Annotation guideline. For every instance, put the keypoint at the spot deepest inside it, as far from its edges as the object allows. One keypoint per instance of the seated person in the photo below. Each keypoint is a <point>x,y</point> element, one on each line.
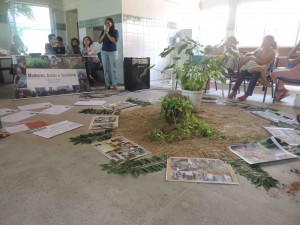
<point>54,46</point>
<point>264,55</point>
<point>52,43</point>
<point>252,66</point>
<point>75,46</point>
<point>229,48</point>
<point>290,73</point>
<point>60,41</point>
<point>20,79</point>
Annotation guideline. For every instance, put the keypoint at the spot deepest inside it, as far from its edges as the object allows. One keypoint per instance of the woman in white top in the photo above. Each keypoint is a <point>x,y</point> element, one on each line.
<point>92,62</point>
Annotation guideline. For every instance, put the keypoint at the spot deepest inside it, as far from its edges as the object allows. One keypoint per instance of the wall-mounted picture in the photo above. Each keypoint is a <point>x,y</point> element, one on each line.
<point>259,152</point>
<point>120,148</point>
<point>104,122</point>
<point>201,170</point>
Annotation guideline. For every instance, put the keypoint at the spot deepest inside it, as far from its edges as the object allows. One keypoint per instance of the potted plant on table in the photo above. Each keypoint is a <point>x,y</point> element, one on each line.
<point>194,72</point>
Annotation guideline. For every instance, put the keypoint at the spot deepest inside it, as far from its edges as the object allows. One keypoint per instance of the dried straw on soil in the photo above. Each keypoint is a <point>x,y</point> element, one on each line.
<point>237,125</point>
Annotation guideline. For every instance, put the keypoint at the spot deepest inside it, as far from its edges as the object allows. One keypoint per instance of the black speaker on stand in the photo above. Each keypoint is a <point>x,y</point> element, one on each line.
<point>133,67</point>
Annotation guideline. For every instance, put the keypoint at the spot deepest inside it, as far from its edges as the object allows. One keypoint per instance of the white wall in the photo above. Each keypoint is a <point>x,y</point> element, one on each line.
<point>88,9</point>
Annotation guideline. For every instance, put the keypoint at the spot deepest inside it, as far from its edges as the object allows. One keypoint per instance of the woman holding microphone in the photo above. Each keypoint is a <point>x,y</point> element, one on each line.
<point>109,53</point>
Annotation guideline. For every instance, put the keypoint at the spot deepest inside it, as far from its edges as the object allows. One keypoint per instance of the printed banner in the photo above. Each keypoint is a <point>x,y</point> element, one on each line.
<point>49,75</point>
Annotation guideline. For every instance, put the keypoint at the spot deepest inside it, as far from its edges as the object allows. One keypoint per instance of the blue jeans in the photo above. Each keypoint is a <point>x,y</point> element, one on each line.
<point>109,62</point>
<point>253,77</point>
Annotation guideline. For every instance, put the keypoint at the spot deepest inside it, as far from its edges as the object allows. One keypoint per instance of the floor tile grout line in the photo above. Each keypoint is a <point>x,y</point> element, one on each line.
<point>167,205</point>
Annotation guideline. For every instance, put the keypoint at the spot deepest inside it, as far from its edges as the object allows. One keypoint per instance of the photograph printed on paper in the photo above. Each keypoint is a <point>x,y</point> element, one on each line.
<point>200,170</point>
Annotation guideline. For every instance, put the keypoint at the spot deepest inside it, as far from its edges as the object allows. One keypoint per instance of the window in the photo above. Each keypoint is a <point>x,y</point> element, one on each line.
<point>34,33</point>
<point>213,25</point>
<point>279,18</point>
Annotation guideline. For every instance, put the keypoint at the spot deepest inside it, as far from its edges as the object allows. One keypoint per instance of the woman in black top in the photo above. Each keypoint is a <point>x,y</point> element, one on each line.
<point>109,53</point>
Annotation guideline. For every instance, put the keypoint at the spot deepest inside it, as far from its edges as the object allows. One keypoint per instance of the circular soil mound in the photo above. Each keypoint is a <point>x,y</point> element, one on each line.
<point>231,125</point>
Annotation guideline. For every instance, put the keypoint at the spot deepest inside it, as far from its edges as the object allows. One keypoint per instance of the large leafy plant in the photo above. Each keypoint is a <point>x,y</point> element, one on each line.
<point>193,72</point>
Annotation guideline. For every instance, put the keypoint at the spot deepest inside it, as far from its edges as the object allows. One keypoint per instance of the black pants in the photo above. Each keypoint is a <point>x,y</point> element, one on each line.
<point>244,74</point>
<point>91,68</point>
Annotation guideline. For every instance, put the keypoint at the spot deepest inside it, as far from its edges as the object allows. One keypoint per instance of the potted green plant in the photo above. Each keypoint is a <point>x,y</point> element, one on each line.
<point>193,72</point>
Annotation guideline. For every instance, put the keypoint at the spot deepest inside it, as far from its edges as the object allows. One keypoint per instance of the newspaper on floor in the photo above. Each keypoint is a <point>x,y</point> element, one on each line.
<point>35,106</point>
<point>56,109</point>
<point>18,116</point>
<point>120,148</point>
<point>89,103</point>
<point>56,129</point>
<point>287,135</point>
<point>203,170</point>
<point>263,151</point>
<point>104,122</point>
<point>121,105</point>
<point>275,116</point>
<point>5,111</point>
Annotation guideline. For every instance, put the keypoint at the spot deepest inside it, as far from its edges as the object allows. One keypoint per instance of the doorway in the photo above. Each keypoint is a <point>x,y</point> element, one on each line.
<point>72,25</point>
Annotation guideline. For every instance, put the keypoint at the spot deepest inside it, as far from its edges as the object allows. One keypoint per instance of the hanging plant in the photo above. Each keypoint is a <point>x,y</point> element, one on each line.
<point>136,167</point>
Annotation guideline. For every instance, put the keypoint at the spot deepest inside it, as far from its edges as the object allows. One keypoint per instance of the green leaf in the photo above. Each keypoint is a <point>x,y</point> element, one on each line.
<point>146,70</point>
<point>166,52</point>
<point>182,47</point>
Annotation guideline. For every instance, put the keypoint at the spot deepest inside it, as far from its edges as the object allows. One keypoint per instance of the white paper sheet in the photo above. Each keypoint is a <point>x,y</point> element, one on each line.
<point>287,135</point>
<point>16,117</point>
<point>16,128</point>
<point>57,129</point>
<point>56,109</point>
<point>7,111</point>
<point>35,106</point>
<point>92,102</point>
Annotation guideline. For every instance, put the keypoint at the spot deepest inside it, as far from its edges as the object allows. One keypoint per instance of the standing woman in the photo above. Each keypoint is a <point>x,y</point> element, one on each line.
<point>91,59</point>
<point>109,53</point>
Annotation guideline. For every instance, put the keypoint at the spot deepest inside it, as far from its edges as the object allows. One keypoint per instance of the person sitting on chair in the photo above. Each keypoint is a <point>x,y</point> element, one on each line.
<point>20,79</point>
<point>264,55</point>
<point>291,73</point>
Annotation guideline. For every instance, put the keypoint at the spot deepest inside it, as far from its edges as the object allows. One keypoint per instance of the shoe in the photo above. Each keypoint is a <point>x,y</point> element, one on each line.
<point>232,95</point>
<point>107,87</point>
<point>242,98</point>
<point>115,87</point>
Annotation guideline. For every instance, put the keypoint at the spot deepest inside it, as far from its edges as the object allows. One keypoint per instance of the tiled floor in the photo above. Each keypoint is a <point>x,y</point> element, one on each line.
<point>51,181</point>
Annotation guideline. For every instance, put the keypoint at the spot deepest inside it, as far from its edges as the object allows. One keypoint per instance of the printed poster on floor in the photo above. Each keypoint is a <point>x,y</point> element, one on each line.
<point>201,170</point>
<point>263,151</point>
<point>120,148</point>
<point>57,129</point>
<point>287,135</point>
<point>104,122</point>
